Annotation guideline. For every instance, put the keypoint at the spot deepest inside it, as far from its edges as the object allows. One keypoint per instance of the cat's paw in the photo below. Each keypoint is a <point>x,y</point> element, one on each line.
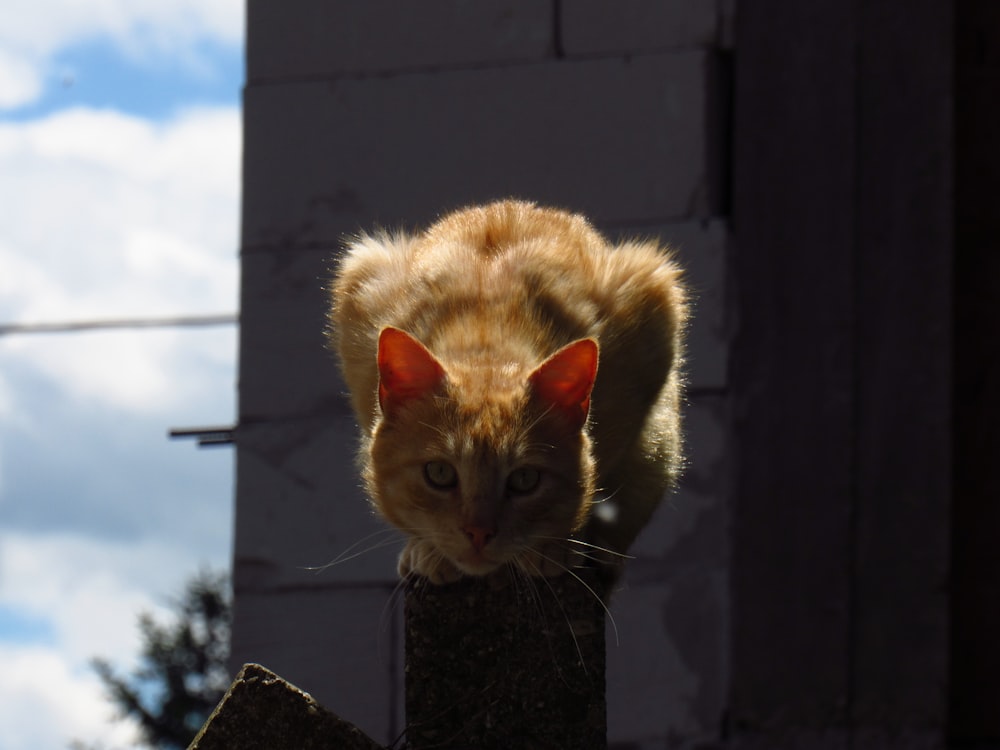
<point>419,557</point>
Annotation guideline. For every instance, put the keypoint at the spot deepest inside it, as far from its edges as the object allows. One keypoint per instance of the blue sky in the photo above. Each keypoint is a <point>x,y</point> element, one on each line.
<point>119,181</point>
<point>97,74</point>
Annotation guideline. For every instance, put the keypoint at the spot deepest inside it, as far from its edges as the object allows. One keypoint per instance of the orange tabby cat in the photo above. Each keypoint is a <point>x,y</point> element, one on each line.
<point>516,381</point>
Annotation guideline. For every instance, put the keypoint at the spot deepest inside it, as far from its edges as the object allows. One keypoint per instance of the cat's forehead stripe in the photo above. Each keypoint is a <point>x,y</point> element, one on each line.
<point>483,438</point>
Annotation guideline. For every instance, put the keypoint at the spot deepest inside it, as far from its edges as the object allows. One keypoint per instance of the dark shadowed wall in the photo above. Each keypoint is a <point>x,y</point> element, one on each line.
<point>376,113</point>
<point>827,575</point>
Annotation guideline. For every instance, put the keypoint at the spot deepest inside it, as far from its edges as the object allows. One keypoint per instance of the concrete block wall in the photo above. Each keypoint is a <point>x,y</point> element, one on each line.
<point>379,113</point>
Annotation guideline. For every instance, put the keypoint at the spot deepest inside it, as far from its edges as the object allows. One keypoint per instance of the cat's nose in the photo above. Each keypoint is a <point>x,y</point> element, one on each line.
<point>479,536</point>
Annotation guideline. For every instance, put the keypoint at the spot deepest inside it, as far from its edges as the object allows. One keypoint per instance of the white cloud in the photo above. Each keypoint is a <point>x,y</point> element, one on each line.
<point>45,703</point>
<point>33,31</point>
<point>90,594</point>
<point>20,82</point>
<point>107,215</point>
<point>112,216</point>
<point>89,591</point>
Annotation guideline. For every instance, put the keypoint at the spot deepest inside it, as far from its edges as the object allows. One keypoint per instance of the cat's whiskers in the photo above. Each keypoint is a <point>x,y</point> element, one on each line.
<point>604,496</point>
<point>436,428</point>
<point>394,597</point>
<point>536,449</point>
<point>555,597</point>
<point>352,551</point>
<point>607,612</point>
<point>538,419</point>
<point>589,546</point>
<point>591,557</point>
<point>390,605</point>
<point>586,555</point>
<point>519,575</point>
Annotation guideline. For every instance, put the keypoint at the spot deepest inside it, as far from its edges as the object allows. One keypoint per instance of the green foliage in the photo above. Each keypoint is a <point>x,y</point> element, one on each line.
<point>182,673</point>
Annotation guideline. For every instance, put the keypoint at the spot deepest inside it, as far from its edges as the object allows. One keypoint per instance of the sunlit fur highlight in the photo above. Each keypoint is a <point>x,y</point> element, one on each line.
<point>492,291</point>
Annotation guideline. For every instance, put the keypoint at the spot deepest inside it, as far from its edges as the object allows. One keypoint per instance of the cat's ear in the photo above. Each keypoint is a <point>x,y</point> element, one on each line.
<point>406,369</point>
<point>565,379</point>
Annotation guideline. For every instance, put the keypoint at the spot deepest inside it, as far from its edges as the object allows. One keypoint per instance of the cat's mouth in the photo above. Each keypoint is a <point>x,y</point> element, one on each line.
<point>475,563</point>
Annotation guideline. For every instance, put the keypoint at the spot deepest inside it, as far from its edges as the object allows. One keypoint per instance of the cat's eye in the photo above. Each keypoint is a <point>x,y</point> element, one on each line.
<point>523,480</point>
<point>440,475</point>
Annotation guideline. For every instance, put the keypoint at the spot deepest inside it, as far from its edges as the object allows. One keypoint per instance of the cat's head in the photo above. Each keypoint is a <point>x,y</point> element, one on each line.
<point>487,461</point>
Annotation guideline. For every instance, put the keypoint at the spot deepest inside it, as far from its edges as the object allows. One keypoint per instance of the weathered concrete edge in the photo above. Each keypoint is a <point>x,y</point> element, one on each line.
<point>261,710</point>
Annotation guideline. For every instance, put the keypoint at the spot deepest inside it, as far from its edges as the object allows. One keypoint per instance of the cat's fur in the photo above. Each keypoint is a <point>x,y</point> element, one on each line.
<point>470,353</point>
